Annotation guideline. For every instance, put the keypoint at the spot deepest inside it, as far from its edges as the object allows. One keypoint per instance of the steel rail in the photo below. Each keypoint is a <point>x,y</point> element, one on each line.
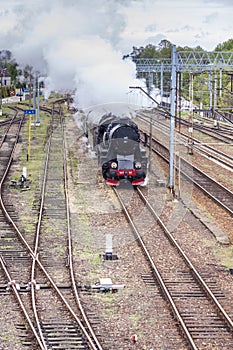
<point>9,124</point>
<point>36,257</point>
<point>33,298</point>
<point>188,262</point>
<point>70,250</point>
<point>197,276</point>
<point>39,340</point>
<point>89,339</point>
<point>199,172</point>
<point>157,274</point>
<point>210,180</point>
<point>196,142</point>
<point>36,245</point>
<point>210,132</point>
<point>19,299</point>
<point>9,219</point>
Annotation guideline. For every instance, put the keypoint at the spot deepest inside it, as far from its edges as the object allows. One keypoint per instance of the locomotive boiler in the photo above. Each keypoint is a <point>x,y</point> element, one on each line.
<point>117,144</point>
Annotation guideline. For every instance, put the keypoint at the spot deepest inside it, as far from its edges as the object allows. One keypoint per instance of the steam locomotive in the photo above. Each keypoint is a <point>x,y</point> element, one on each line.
<point>117,144</point>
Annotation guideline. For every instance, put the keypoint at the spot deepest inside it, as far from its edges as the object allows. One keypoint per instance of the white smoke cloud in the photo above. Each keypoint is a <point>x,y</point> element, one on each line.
<point>76,43</point>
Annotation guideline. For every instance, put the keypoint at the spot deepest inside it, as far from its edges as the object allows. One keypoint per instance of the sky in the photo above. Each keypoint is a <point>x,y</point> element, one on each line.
<point>79,44</point>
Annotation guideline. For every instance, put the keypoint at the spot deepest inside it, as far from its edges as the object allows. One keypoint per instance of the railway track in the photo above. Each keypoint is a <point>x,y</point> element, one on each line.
<point>206,126</point>
<point>66,331</point>
<point>213,189</point>
<point>220,133</point>
<point>12,252</point>
<point>194,299</point>
<point>193,143</point>
<point>46,293</point>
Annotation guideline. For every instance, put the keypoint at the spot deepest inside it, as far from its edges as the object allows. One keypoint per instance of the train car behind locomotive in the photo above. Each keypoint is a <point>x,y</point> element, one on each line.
<point>117,144</point>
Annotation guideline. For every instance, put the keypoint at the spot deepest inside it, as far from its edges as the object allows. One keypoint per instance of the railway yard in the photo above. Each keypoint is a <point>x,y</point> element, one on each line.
<point>88,266</point>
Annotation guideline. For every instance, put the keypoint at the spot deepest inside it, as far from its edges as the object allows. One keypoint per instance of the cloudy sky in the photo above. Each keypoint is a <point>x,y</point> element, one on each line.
<point>80,43</point>
<point>186,23</point>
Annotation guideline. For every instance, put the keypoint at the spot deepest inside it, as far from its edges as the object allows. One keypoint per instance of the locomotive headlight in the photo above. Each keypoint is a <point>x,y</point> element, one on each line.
<point>138,165</point>
<point>113,165</point>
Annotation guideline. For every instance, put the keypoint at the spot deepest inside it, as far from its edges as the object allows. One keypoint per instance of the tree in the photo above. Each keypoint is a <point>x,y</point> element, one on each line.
<point>12,69</point>
<point>136,53</point>
<point>225,46</point>
<point>165,48</point>
<point>162,50</point>
<point>5,57</point>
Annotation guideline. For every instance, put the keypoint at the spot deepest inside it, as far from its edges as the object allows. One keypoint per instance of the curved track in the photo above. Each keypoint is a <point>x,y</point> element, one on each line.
<point>53,307</point>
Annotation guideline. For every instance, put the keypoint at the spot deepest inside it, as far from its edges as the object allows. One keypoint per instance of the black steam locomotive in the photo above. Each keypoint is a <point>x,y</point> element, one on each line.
<point>117,144</point>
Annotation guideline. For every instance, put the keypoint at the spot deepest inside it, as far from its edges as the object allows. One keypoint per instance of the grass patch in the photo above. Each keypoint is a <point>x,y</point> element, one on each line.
<point>226,256</point>
<point>227,179</point>
<point>7,247</point>
<point>134,319</point>
<point>209,216</point>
